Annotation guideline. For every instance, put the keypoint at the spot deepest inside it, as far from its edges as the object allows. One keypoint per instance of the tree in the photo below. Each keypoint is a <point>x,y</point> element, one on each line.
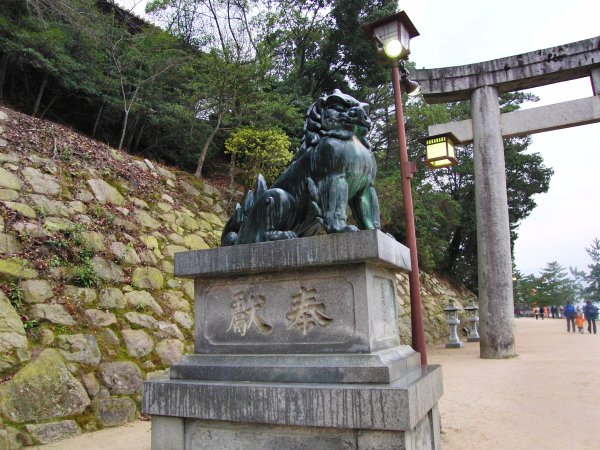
<point>139,59</point>
<point>554,285</point>
<point>579,278</point>
<point>55,46</point>
<point>525,289</point>
<point>232,84</point>
<point>592,291</point>
<point>259,151</point>
<point>319,45</point>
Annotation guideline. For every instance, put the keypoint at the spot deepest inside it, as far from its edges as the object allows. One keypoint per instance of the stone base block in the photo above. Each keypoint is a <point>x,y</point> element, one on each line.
<point>318,295</point>
<point>455,344</point>
<point>385,366</point>
<point>297,347</point>
<point>193,434</point>
<point>194,414</point>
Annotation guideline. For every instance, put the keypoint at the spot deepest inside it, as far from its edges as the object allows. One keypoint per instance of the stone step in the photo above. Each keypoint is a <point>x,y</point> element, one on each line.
<point>385,366</point>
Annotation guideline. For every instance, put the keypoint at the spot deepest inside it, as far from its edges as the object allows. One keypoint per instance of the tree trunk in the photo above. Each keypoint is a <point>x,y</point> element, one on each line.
<point>123,128</point>
<point>132,129</point>
<point>388,137</point>
<point>97,121</point>
<point>3,67</point>
<point>206,146</point>
<point>48,106</point>
<point>454,249</point>
<point>139,136</point>
<point>38,100</point>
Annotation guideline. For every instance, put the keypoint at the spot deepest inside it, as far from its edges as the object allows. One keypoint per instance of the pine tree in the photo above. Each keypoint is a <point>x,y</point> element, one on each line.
<point>554,286</point>
<point>592,291</point>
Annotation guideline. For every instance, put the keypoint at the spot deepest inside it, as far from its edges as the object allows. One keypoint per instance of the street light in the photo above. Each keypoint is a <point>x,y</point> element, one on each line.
<point>392,35</point>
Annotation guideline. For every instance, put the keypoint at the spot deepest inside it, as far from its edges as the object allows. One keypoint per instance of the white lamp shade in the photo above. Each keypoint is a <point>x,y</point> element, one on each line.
<point>392,34</point>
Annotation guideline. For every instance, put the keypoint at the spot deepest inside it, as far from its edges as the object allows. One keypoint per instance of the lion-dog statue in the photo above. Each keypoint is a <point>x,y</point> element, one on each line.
<point>333,169</point>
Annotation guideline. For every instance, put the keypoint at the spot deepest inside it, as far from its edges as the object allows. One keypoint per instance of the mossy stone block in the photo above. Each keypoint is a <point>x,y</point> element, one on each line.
<point>15,269</point>
<point>43,390</point>
<point>9,180</point>
<point>147,278</point>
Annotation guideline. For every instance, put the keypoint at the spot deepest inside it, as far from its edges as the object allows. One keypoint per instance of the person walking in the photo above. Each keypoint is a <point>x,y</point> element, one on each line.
<point>569,312</point>
<point>579,320</point>
<point>591,314</point>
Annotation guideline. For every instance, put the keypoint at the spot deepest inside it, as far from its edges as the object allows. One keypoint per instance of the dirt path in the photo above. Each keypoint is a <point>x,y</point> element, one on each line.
<point>547,398</point>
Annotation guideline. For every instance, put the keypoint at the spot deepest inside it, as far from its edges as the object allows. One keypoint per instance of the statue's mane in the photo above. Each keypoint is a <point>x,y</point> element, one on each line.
<point>313,130</point>
<point>312,127</point>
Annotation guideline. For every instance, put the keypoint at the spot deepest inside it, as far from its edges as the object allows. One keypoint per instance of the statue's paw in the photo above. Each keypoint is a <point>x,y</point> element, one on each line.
<point>229,239</point>
<point>280,235</point>
<point>341,229</point>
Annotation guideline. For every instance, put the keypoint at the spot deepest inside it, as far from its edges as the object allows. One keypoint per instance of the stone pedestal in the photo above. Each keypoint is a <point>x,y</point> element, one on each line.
<point>297,347</point>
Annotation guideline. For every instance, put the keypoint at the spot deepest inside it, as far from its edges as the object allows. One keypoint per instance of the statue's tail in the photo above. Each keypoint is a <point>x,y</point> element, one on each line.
<point>233,225</point>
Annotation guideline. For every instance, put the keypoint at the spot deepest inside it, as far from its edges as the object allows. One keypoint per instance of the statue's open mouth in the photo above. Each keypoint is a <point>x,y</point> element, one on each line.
<point>351,122</point>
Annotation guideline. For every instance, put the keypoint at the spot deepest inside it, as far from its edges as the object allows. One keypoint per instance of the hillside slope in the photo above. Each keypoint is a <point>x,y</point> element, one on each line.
<point>89,307</point>
<point>88,303</point>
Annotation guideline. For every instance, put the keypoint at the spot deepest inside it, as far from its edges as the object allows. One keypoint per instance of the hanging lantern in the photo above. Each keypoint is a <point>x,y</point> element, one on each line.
<point>440,150</point>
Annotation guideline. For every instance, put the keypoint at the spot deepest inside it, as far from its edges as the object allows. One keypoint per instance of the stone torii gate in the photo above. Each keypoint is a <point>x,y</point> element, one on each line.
<point>482,83</point>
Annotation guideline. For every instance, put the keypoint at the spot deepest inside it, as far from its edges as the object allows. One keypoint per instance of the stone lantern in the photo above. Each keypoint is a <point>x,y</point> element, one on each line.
<point>473,319</point>
<point>452,320</point>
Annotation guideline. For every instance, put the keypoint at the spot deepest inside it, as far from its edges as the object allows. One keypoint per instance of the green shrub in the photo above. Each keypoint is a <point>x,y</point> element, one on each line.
<point>254,151</point>
<point>84,275</point>
<point>15,294</point>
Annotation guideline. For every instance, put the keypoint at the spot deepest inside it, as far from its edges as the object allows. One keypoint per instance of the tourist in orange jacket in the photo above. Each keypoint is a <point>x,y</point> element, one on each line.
<point>579,321</point>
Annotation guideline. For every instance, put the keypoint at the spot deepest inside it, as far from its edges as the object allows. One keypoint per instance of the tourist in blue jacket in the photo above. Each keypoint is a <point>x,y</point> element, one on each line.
<point>569,313</point>
<point>590,313</point>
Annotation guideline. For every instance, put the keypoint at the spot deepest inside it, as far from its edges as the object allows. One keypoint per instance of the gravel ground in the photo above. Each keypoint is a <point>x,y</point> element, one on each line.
<point>546,398</point>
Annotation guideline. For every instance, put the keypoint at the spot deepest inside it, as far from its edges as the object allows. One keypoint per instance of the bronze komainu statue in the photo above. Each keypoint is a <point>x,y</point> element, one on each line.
<point>333,169</point>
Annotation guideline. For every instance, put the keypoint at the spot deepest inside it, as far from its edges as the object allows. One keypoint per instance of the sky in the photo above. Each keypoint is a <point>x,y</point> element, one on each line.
<point>453,33</point>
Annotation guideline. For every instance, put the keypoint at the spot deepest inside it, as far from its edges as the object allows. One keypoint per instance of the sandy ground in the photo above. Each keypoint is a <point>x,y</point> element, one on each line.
<point>546,398</point>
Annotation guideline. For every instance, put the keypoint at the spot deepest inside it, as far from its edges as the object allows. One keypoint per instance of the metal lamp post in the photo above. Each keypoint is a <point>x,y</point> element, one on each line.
<point>392,36</point>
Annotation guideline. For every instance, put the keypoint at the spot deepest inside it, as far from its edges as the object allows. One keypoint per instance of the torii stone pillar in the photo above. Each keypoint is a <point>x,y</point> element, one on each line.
<point>493,230</point>
<point>482,83</point>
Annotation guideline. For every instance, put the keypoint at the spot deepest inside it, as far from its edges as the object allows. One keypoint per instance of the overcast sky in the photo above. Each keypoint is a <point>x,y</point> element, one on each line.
<point>452,33</point>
